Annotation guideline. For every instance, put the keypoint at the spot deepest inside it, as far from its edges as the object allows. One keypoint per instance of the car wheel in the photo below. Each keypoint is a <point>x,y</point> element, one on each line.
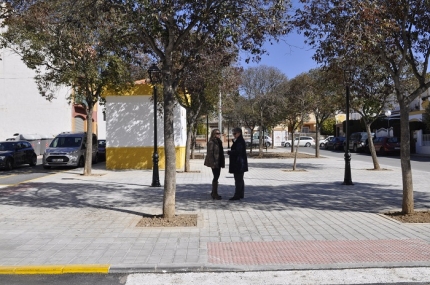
<point>287,144</point>
<point>267,144</point>
<point>81,162</point>
<point>8,164</point>
<point>46,167</point>
<point>321,144</point>
<point>33,161</point>
<point>307,145</point>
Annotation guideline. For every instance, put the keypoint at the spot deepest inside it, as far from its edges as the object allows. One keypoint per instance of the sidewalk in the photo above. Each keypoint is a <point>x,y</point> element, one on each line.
<point>288,220</point>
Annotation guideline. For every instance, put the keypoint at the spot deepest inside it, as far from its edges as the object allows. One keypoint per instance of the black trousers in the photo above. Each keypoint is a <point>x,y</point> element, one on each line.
<point>239,184</point>
<point>216,172</point>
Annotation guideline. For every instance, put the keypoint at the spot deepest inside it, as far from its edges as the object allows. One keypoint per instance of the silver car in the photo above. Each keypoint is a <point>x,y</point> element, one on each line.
<point>304,141</point>
<point>68,149</point>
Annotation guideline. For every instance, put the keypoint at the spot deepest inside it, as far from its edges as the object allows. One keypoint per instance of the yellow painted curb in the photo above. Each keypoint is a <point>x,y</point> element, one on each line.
<point>55,269</point>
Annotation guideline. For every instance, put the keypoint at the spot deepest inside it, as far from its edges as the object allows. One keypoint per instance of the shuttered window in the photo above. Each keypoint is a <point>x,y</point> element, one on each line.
<point>79,124</point>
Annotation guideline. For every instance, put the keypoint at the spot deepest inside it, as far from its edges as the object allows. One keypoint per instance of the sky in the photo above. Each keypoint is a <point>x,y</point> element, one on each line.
<point>291,56</point>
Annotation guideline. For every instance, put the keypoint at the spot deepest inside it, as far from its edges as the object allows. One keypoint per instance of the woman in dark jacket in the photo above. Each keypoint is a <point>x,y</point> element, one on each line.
<point>238,163</point>
<point>216,160</point>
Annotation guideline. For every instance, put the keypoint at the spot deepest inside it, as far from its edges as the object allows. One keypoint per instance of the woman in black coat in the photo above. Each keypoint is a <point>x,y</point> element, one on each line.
<point>215,160</point>
<point>238,163</point>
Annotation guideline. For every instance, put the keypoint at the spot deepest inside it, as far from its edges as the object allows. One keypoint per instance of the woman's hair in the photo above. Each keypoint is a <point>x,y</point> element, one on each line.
<point>237,130</point>
<point>213,133</point>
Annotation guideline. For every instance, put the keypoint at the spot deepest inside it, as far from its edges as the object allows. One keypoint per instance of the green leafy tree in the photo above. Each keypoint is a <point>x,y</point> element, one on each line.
<point>327,127</point>
<point>69,43</point>
<point>298,93</point>
<point>327,98</point>
<point>261,86</point>
<point>200,87</point>
<point>370,96</point>
<point>165,28</point>
<point>391,31</point>
<point>426,117</point>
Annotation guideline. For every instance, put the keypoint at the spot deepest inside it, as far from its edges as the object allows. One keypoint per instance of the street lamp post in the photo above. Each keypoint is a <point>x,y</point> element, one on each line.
<point>154,76</point>
<point>388,114</point>
<point>347,177</point>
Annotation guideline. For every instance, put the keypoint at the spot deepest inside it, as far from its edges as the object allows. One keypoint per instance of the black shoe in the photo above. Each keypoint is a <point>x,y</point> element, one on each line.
<point>234,198</point>
<point>216,197</point>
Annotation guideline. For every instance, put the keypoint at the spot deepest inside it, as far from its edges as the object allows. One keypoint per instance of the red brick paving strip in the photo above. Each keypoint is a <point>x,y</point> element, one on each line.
<point>318,252</point>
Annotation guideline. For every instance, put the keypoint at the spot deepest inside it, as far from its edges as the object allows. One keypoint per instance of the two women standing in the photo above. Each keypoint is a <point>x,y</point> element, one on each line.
<point>238,162</point>
<point>215,159</point>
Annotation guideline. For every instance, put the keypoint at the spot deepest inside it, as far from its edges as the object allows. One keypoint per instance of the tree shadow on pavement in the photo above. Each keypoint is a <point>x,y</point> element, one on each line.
<point>362,197</point>
<point>108,196</point>
<point>317,196</point>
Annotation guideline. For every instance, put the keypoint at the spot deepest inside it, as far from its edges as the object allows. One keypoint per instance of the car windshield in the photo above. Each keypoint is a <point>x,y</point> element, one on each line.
<point>66,142</point>
<point>7,146</point>
<point>102,143</point>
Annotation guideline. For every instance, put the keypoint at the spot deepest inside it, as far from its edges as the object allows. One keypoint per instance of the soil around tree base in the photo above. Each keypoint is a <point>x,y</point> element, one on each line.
<point>416,217</point>
<point>184,220</point>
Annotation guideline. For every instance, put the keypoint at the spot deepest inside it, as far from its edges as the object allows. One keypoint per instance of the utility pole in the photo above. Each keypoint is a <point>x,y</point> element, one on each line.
<point>220,114</point>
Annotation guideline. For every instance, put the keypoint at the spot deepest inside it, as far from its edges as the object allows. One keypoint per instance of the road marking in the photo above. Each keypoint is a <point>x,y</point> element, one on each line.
<point>55,269</point>
<point>38,176</point>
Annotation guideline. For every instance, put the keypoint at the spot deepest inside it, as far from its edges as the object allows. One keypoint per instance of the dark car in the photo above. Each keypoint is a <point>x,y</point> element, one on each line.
<point>387,145</point>
<point>323,143</point>
<point>358,142</point>
<point>14,153</point>
<point>101,149</point>
<point>335,143</point>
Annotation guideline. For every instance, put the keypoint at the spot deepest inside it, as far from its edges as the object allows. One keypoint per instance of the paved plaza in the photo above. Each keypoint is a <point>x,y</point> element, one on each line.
<point>288,220</point>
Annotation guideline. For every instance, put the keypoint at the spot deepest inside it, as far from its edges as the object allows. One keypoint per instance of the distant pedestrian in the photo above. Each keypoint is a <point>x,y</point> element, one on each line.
<point>238,163</point>
<point>215,159</point>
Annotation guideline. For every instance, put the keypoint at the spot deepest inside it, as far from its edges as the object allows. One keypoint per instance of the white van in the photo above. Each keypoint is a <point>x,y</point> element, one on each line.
<point>68,149</point>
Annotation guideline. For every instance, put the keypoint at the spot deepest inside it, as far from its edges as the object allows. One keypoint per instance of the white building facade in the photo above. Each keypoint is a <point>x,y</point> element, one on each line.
<point>22,108</point>
<point>24,111</point>
<point>130,130</point>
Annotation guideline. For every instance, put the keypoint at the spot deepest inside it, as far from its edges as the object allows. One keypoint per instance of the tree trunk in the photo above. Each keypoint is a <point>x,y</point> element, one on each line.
<point>169,150</point>
<point>193,143</point>
<point>405,158</point>
<point>188,147</point>
<point>295,154</point>
<point>372,148</point>
<point>260,139</point>
<point>89,144</point>
<point>317,141</point>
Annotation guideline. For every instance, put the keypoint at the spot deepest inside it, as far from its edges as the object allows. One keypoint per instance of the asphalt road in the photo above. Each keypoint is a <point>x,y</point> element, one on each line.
<point>417,162</point>
<point>369,276</point>
<point>25,173</point>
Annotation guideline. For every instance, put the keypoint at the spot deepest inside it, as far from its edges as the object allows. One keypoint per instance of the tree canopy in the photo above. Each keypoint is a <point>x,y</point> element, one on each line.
<point>69,43</point>
<point>393,32</point>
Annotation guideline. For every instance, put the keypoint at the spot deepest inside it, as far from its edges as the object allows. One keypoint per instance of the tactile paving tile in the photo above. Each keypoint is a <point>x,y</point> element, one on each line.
<point>318,252</point>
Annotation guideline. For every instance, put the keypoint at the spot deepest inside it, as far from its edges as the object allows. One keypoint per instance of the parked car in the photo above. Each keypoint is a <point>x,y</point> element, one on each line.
<point>324,141</point>
<point>304,141</point>
<point>14,153</point>
<point>387,145</point>
<point>69,149</point>
<point>358,142</point>
<point>336,143</point>
<point>256,141</point>
<point>101,149</point>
